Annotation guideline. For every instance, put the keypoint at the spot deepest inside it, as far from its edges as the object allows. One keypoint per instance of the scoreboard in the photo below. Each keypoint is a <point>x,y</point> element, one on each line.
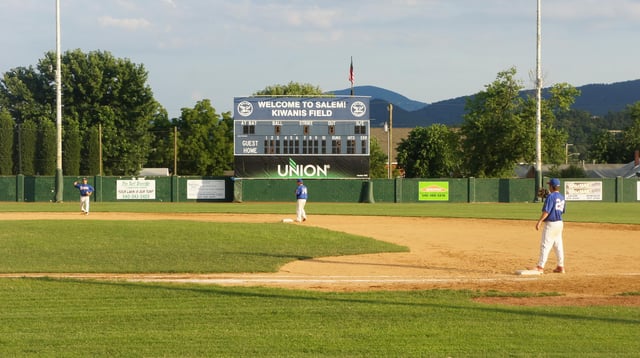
<point>312,137</point>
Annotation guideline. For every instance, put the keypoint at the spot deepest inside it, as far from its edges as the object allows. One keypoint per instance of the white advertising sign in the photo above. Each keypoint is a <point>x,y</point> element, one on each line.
<point>583,190</point>
<point>638,191</point>
<point>136,189</point>
<point>205,189</point>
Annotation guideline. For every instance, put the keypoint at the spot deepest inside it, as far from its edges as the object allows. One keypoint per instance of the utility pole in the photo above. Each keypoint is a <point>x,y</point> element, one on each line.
<point>390,139</point>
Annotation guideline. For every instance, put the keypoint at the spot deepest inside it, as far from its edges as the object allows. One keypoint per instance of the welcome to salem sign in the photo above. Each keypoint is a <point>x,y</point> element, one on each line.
<point>301,137</point>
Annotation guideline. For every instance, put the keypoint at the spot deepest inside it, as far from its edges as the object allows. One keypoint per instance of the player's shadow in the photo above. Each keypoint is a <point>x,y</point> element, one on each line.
<point>430,268</point>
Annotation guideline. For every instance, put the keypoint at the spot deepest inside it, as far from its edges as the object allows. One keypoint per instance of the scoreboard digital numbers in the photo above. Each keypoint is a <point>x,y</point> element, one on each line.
<point>301,137</point>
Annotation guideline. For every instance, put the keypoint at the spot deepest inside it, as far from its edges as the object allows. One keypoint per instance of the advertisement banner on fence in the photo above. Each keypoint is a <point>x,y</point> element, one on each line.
<point>433,191</point>
<point>136,189</point>
<point>583,190</point>
<point>638,191</point>
<point>205,189</point>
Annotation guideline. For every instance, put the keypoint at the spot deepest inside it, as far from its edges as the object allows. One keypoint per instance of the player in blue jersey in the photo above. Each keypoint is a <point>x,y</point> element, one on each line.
<point>85,194</point>
<point>301,201</point>
<point>552,210</point>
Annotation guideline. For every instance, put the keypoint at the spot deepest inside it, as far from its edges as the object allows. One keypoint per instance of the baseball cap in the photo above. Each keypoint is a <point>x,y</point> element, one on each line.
<point>85,178</point>
<point>554,182</point>
<point>299,180</point>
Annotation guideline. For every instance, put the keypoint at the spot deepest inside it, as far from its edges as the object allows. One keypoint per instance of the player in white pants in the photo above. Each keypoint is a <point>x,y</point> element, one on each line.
<point>85,194</point>
<point>554,206</point>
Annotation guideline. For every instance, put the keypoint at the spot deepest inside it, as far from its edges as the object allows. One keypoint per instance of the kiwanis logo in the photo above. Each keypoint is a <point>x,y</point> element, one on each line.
<point>245,108</point>
<point>358,109</point>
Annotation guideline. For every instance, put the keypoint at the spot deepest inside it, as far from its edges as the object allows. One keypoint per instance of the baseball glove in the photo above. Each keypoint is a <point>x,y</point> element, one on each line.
<point>543,193</point>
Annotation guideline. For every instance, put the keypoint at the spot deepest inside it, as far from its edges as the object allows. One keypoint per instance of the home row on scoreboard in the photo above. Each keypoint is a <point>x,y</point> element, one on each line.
<point>304,137</point>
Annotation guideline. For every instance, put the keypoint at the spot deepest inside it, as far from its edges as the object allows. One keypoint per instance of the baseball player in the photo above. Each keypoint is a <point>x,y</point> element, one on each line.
<point>85,194</point>
<point>301,201</point>
<point>552,210</point>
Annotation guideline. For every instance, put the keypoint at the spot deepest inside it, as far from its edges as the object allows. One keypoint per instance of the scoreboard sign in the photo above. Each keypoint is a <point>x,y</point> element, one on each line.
<point>301,137</point>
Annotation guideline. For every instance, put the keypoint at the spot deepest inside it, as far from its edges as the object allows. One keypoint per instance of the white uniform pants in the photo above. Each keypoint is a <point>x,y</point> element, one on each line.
<point>300,213</point>
<point>551,238</point>
<point>84,203</point>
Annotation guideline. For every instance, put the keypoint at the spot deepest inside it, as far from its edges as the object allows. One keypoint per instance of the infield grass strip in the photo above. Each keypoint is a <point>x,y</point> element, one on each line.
<point>169,246</point>
<point>74,318</point>
<point>596,212</point>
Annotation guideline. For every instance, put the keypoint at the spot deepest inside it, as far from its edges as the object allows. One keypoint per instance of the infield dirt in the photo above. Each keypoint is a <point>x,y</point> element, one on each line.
<point>602,260</point>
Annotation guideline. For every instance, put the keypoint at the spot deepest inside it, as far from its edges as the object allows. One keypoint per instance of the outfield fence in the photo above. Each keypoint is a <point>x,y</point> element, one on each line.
<point>400,190</point>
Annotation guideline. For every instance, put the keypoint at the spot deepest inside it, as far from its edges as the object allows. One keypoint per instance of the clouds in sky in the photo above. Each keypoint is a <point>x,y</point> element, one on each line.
<point>427,50</point>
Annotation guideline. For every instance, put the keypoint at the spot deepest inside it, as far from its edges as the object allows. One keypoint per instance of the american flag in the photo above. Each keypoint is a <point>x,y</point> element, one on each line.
<point>352,78</point>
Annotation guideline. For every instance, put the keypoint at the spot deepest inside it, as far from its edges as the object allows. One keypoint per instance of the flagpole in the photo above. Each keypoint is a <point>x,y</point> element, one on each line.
<point>352,78</point>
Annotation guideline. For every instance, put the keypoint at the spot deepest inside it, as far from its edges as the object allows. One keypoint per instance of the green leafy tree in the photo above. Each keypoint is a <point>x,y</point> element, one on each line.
<point>377,160</point>
<point>162,143</point>
<point>7,130</point>
<point>205,145</point>
<point>431,152</point>
<point>47,148</point>
<point>97,89</point>
<point>499,127</point>
<point>291,89</point>
<point>27,145</point>
<point>91,160</point>
<point>71,148</point>
<point>631,136</point>
<point>494,130</point>
<point>618,147</point>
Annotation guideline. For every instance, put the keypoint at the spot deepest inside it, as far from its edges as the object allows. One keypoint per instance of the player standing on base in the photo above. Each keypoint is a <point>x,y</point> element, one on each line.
<point>85,194</point>
<point>301,201</point>
<point>551,216</point>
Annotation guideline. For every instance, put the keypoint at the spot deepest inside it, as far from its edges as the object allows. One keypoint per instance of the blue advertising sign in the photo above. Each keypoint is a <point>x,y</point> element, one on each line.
<point>296,108</point>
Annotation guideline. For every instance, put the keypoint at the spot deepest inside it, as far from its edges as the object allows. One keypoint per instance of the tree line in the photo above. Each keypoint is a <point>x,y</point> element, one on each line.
<point>113,126</point>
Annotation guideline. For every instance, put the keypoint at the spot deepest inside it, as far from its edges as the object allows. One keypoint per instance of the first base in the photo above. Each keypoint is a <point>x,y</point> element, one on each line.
<point>287,220</point>
<point>528,272</point>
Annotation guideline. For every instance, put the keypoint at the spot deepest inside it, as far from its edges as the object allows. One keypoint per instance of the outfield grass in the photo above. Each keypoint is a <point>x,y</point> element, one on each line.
<point>53,318</point>
<point>619,213</point>
<point>80,318</point>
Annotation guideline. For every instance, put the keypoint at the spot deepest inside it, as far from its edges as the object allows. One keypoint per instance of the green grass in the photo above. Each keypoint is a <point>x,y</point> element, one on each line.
<point>169,246</point>
<point>53,318</point>
<point>80,318</point>
<point>619,213</point>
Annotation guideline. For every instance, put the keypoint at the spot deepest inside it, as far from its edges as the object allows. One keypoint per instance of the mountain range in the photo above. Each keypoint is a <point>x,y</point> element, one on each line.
<point>597,99</point>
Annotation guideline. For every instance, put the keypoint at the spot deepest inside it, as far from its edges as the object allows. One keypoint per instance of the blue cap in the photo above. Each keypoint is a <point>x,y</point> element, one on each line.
<point>554,182</point>
<point>299,180</point>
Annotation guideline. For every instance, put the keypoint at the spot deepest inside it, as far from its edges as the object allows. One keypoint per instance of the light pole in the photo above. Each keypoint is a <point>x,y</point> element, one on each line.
<point>566,152</point>
<point>59,177</point>
<point>538,102</point>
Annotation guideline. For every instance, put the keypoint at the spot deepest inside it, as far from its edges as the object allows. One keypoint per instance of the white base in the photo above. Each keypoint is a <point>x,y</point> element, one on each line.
<point>287,220</point>
<point>528,272</point>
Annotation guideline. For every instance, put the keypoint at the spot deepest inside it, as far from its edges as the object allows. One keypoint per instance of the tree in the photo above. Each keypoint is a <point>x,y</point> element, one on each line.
<point>7,131</point>
<point>291,89</point>
<point>494,132</point>
<point>431,152</point>
<point>205,140</point>
<point>631,136</point>
<point>90,164</point>
<point>162,142</point>
<point>499,127</point>
<point>97,89</point>
<point>47,149</point>
<point>71,148</point>
<point>27,145</point>
<point>609,147</point>
<point>377,160</point>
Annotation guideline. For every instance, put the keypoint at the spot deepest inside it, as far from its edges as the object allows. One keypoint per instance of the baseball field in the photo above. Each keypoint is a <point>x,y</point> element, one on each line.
<point>203,279</point>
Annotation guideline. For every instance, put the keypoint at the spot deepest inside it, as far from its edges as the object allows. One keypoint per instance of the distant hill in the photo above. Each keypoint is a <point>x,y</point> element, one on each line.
<point>597,99</point>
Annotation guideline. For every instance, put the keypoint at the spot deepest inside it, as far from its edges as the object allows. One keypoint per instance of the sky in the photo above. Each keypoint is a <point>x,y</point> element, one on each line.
<point>426,50</point>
